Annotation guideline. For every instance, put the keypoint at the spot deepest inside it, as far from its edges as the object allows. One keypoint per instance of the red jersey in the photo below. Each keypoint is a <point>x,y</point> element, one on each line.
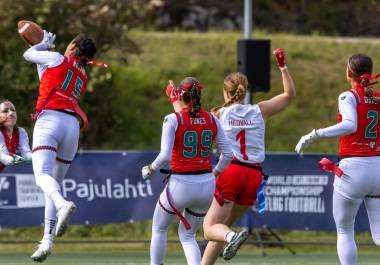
<point>70,80</point>
<point>366,140</point>
<point>10,142</point>
<point>193,142</point>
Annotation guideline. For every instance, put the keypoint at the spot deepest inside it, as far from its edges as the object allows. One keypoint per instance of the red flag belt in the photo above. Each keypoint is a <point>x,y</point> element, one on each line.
<point>329,166</point>
<point>77,108</point>
<point>175,210</point>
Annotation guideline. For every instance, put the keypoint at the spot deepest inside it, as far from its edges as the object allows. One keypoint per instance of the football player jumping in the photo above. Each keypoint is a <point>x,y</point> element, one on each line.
<point>63,80</point>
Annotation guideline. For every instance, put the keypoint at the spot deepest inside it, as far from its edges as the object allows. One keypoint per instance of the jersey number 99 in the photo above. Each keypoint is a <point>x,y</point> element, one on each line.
<point>190,143</point>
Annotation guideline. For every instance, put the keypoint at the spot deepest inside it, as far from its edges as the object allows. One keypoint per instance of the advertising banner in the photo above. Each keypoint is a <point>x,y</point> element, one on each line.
<point>107,188</point>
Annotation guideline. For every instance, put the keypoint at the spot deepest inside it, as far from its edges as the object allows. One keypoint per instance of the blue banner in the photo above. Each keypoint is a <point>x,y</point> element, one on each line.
<point>107,188</point>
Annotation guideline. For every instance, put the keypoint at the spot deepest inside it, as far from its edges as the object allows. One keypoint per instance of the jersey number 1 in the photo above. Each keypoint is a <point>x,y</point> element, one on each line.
<point>241,137</point>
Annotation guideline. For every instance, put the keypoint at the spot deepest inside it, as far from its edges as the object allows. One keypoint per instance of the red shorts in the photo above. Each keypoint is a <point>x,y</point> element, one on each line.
<point>239,184</point>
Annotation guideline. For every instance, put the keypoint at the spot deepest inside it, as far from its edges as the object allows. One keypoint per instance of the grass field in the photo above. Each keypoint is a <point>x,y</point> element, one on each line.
<point>178,258</point>
<point>121,254</point>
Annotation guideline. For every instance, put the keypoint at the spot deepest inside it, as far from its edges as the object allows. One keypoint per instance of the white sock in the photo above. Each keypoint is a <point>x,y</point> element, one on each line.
<point>50,216</point>
<point>228,237</point>
<point>58,199</point>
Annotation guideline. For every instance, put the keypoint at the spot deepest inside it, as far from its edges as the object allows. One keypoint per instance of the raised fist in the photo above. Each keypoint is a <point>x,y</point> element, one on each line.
<point>280,57</point>
<point>172,92</point>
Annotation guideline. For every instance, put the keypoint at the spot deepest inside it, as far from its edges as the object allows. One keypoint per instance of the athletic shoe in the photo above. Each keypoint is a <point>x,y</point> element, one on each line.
<point>64,214</point>
<point>232,247</point>
<point>42,252</point>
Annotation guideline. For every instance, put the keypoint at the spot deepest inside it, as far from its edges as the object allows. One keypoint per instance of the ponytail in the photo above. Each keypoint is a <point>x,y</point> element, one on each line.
<point>365,83</point>
<point>235,85</point>
<point>193,97</point>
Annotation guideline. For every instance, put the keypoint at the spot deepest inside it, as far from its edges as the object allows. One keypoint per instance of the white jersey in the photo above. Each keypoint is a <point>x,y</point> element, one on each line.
<point>244,127</point>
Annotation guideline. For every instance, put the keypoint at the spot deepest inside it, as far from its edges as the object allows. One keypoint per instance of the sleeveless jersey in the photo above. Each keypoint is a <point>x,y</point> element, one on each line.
<point>10,142</point>
<point>244,127</point>
<point>366,140</point>
<point>70,80</point>
<point>192,149</point>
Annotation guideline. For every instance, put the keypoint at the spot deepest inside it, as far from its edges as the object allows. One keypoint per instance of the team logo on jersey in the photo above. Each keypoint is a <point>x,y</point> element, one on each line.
<point>342,97</point>
<point>8,194</point>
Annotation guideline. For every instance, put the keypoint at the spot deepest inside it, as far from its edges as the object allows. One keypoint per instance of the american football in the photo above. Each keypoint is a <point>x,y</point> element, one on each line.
<point>30,32</point>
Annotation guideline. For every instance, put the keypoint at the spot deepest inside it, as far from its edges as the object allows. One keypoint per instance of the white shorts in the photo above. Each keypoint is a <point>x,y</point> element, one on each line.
<point>191,192</point>
<point>361,177</point>
<point>55,129</point>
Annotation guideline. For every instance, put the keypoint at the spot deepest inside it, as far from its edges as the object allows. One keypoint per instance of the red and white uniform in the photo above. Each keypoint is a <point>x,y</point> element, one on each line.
<point>365,141</point>
<point>244,126</point>
<point>186,142</point>
<point>193,140</point>
<point>358,130</point>
<point>17,144</point>
<point>56,131</point>
<point>70,80</point>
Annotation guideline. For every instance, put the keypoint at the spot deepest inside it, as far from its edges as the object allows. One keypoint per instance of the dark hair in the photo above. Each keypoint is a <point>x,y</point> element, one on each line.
<point>192,94</point>
<point>15,128</point>
<point>85,48</point>
<point>359,65</point>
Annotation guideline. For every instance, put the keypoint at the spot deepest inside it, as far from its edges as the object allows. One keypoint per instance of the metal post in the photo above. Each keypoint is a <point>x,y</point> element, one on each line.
<point>247,19</point>
<point>247,35</point>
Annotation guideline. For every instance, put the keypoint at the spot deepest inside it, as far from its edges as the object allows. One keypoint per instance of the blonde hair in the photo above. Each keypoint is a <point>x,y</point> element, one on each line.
<point>235,84</point>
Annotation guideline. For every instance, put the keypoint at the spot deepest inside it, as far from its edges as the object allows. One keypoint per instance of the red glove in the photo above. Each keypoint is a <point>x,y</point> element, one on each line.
<point>280,57</point>
<point>172,92</point>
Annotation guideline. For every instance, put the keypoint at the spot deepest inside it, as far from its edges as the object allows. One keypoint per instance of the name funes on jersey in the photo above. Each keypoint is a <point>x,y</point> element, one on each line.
<point>193,142</point>
<point>198,121</point>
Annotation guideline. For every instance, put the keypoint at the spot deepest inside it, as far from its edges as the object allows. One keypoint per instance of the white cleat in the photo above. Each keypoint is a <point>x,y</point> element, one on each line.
<point>42,252</point>
<point>232,247</point>
<point>64,214</point>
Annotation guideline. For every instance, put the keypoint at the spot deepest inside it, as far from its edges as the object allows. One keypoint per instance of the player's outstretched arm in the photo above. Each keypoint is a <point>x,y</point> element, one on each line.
<point>39,53</point>
<point>279,102</point>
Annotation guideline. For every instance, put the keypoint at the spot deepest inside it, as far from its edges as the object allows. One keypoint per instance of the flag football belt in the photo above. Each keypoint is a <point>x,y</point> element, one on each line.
<point>348,156</point>
<point>77,109</point>
<point>329,166</point>
<point>169,172</point>
<point>256,166</point>
<point>194,172</point>
<point>72,113</point>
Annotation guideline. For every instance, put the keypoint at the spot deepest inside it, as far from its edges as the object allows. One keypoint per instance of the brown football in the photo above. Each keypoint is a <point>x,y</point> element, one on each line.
<point>30,32</point>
